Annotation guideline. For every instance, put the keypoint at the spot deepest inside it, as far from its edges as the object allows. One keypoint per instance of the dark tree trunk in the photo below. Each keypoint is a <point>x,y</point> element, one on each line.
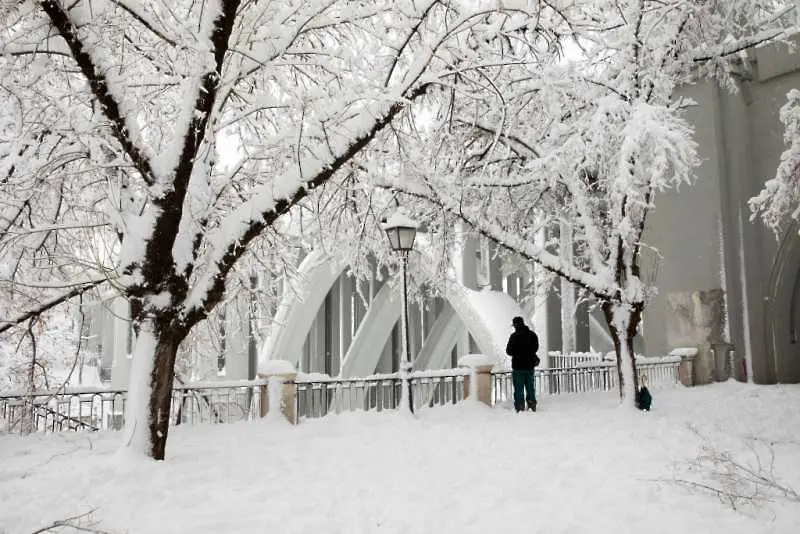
<point>161,398</point>
<point>168,336</point>
<point>624,338</point>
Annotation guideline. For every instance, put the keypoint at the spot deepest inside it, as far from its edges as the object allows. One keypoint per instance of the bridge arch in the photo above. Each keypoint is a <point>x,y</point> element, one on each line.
<point>486,315</point>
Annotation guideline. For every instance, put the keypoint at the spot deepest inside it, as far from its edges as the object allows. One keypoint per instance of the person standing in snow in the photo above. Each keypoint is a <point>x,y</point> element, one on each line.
<point>523,344</point>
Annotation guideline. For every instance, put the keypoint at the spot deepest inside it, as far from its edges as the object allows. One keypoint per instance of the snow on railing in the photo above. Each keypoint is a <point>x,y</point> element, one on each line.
<point>319,395</point>
<point>587,376</point>
<point>315,395</point>
<point>557,360</point>
<point>104,409</point>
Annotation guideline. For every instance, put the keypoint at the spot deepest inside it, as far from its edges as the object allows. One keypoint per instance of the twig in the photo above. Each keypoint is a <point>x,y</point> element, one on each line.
<point>736,483</point>
<point>73,522</point>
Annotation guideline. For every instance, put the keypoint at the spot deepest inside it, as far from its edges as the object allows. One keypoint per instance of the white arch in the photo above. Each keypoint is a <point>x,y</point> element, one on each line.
<point>297,309</point>
<point>485,314</point>
<point>365,350</point>
<point>445,332</point>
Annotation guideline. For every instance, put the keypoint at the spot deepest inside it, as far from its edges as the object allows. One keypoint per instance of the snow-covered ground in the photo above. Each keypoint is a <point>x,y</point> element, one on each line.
<point>582,464</point>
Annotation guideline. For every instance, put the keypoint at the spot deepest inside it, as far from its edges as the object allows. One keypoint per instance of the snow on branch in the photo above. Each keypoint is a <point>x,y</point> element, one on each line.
<point>513,241</point>
<point>200,97</point>
<point>145,21</point>
<point>781,194</point>
<point>738,45</point>
<point>52,48</point>
<point>595,284</point>
<point>11,323</point>
<point>270,202</point>
<point>101,88</point>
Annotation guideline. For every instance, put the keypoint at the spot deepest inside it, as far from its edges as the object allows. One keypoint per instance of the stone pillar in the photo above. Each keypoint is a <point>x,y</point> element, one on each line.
<point>483,375</point>
<point>483,381</point>
<point>481,368</point>
<point>697,320</point>
<point>287,394</point>
<point>686,366</point>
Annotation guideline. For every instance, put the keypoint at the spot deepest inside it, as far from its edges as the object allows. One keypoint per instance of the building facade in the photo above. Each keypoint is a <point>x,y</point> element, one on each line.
<point>721,276</point>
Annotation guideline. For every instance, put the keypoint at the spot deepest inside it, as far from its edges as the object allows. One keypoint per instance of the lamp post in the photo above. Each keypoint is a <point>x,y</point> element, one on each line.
<point>401,231</point>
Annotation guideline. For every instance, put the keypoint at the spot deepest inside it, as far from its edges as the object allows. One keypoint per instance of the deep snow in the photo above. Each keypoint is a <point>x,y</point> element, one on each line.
<point>580,464</point>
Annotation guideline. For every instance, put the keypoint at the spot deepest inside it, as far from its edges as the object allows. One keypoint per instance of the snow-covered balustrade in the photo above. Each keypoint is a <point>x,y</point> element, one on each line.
<point>557,360</point>
<point>319,395</point>
<point>588,376</point>
<point>32,413</point>
<point>687,356</point>
<point>304,396</point>
<point>104,409</point>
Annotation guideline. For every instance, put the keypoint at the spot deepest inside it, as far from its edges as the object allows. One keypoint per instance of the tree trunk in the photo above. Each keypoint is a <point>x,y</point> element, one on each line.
<point>161,380</point>
<point>623,322</point>
<point>150,391</point>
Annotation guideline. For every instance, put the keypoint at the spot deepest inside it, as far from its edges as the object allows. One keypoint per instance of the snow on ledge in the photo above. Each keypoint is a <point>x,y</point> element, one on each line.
<point>684,352</point>
<point>276,367</point>
<point>308,378</point>
<point>314,377</point>
<point>475,360</point>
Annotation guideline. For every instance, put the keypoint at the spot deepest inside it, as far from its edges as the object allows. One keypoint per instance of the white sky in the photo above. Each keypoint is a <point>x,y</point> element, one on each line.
<point>581,464</point>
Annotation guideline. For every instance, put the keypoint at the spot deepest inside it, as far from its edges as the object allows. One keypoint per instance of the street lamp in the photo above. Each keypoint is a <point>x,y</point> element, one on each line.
<point>401,231</point>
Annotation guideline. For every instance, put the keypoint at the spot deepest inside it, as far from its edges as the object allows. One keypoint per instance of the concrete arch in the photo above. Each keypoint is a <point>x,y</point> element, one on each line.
<point>297,310</point>
<point>365,350</point>
<point>445,333</point>
<point>783,308</point>
<point>485,314</point>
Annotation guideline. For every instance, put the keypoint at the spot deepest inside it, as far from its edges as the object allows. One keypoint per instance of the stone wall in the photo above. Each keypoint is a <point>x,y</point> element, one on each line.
<point>697,320</point>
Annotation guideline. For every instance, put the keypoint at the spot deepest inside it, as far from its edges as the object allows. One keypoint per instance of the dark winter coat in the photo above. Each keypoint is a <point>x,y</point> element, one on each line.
<point>523,344</point>
<point>644,399</point>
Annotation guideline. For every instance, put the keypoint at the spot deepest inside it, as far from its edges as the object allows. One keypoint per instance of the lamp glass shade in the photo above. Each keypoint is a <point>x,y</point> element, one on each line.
<point>401,237</point>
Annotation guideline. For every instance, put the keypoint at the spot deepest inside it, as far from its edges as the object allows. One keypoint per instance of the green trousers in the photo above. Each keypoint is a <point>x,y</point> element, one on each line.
<point>523,388</point>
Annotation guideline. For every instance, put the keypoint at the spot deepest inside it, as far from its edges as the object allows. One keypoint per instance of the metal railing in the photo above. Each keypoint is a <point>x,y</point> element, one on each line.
<point>57,411</point>
<point>557,360</point>
<point>316,396</point>
<point>104,409</point>
<point>600,376</point>
<point>213,402</point>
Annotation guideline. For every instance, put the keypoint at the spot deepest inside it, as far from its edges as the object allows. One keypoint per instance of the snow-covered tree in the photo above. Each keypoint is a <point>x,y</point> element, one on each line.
<point>184,131</point>
<point>586,144</point>
<point>780,197</point>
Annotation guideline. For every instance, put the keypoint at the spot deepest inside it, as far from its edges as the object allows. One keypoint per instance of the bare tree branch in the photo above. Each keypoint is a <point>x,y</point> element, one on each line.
<point>74,523</point>
<point>143,21</point>
<point>8,324</point>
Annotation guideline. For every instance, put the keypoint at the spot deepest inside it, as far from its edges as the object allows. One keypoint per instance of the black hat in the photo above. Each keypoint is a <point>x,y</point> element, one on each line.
<point>517,321</point>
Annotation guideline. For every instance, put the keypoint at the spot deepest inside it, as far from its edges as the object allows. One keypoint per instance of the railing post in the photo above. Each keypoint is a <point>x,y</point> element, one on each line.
<point>481,367</point>
<point>483,384</point>
<point>279,373</point>
<point>686,367</point>
<point>483,375</point>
